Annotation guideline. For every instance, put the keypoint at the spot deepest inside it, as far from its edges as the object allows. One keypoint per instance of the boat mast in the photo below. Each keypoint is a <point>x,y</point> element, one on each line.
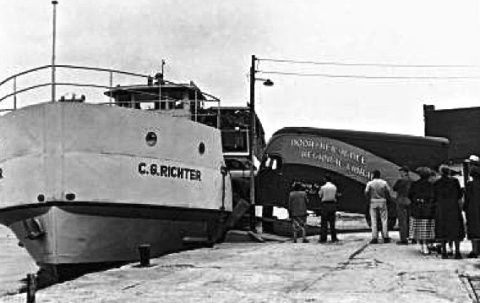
<point>54,2</point>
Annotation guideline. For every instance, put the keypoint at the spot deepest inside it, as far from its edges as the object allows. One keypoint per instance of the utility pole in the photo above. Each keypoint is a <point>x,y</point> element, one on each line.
<point>252,143</point>
<point>253,139</point>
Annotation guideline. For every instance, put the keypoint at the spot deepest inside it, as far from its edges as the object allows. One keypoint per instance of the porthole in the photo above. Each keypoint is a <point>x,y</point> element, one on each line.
<point>70,196</point>
<point>201,148</point>
<point>151,138</point>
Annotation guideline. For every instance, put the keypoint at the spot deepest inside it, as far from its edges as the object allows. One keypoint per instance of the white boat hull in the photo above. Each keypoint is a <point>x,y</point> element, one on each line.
<point>86,176</point>
<point>108,232</point>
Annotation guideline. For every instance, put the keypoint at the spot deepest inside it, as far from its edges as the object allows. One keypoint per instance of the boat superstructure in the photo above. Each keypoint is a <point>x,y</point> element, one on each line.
<point>86,181</point>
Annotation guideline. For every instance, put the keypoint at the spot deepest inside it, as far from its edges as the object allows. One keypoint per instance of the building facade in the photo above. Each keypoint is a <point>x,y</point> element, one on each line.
<point>461,126</point>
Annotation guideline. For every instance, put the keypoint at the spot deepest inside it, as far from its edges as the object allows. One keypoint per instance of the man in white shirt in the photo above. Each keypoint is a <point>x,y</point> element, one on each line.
<point>377,192</point>
<point>328,208</point>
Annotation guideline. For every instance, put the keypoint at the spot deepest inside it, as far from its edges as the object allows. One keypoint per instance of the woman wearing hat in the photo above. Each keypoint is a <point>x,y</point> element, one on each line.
<point>449,220</point>
<point>422,223</point>
<point>472,210</point>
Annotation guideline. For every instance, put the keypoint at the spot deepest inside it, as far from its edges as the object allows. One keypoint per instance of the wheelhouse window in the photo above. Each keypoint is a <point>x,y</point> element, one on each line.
<point>235,140</point>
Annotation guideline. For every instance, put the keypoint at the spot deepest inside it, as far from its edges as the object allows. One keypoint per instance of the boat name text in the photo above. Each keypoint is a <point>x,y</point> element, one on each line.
<point>168,171</point>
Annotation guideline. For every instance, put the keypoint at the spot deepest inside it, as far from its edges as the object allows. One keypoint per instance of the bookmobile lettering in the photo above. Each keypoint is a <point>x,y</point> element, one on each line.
<point>331,154</point>
<point>167,171</point>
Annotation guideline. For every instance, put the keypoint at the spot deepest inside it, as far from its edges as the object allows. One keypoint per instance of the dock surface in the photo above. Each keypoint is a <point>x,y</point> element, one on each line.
<point>351,270</point>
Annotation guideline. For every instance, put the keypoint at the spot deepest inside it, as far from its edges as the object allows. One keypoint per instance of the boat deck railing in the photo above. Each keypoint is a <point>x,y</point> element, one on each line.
<point>172,107</point>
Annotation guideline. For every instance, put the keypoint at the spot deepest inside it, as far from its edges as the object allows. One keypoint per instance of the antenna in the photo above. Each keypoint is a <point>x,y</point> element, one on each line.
<point>54,2</point>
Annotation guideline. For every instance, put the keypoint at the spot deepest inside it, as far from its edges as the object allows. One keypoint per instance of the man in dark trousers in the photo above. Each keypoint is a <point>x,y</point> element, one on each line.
<point>402,187</point>
<point>297,209</point>
<point>328,208</point>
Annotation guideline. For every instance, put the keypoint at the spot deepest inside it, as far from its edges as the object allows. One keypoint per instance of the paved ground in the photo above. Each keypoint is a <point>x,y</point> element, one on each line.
<point>350,271</point>
<point>15,263</point>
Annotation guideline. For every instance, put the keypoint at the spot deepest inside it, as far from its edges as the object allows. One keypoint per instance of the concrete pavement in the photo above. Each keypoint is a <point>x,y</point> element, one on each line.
<point>349,271</point>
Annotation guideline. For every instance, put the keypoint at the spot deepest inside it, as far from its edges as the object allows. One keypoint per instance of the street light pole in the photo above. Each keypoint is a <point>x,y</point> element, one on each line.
<point>252,144</point>
<point>253,138</point>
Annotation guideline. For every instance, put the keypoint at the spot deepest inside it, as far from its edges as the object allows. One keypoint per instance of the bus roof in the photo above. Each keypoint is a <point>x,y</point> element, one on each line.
<point>412,151</point>
<point>348,135</point>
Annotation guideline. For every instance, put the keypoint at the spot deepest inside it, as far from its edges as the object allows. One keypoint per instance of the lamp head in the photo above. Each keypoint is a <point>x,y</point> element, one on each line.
<point>268,82</point>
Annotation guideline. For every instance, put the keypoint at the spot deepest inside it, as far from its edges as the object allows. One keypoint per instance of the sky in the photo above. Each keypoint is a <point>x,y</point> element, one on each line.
<point>211,43</point>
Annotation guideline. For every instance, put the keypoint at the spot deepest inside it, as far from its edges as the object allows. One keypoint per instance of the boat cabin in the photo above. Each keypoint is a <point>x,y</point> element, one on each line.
<point>234,123</point>
<point>177,99</point>
<point>186,100</point>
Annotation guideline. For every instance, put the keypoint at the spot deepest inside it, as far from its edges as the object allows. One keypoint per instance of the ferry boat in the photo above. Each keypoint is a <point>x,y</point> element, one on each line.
<point>86,182</point>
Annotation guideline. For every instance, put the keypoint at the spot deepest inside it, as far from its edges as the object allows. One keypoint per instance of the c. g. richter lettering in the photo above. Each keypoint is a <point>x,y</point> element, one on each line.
<point>168,171</point>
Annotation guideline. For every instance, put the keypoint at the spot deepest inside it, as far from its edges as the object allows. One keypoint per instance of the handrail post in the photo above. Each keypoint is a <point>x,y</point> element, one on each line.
<point>15,93</point>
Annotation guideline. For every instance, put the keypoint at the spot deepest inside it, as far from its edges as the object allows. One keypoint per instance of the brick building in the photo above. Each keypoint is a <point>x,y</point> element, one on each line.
<point>460,125</point>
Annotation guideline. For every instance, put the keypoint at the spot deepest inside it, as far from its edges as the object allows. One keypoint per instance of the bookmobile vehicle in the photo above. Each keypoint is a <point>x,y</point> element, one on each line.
<point>306,155</point>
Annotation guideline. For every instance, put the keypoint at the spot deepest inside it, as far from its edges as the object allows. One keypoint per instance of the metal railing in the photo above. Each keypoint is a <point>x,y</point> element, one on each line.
<point>156,97</point>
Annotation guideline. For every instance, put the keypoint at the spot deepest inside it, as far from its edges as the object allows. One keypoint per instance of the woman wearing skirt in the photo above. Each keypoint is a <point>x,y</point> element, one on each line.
<point>448,220</point>
<point>422,221</point>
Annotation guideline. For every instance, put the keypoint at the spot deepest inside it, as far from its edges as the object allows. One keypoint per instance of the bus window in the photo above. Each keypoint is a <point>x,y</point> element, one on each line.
<point>273,163</point>
<point>266,163</point>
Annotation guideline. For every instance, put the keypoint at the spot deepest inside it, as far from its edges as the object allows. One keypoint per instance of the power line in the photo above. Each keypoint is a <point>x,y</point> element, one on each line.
<point>333,63</point>
<point>371,77</point>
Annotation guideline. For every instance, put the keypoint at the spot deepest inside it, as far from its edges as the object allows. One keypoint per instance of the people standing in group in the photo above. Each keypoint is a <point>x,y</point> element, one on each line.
<point>402,188</point>
<point>297,209</point>
<point>377,192</point>
<point>422,221</point>
<point>448,219</point>
<point>472,210</point>
<point>328,209</point>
